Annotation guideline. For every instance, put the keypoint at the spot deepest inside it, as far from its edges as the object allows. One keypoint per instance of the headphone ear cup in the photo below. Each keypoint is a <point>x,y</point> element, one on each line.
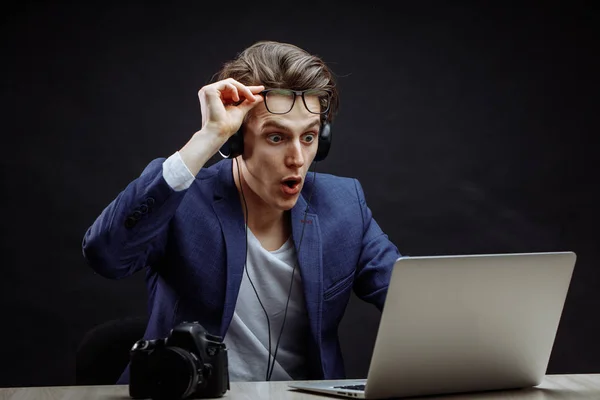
<point>234,146</point>
<point>324,142</point>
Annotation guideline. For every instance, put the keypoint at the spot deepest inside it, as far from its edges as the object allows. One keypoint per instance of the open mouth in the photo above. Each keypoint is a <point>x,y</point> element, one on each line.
<point>291,186</point>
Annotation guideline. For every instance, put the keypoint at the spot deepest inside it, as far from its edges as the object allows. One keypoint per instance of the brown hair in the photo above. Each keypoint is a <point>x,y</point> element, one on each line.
<point>281,65</point>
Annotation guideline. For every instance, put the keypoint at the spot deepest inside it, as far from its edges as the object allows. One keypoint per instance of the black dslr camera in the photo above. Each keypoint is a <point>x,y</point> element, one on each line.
<point>189,363</point>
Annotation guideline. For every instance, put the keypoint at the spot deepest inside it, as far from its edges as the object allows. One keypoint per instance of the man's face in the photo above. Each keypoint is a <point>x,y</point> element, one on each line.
<point>278,150</point>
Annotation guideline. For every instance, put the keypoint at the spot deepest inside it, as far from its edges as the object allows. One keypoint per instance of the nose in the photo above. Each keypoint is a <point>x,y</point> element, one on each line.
<point>295,156</point>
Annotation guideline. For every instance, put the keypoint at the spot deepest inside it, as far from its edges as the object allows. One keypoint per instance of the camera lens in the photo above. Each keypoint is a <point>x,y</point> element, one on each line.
<point>177,374</point>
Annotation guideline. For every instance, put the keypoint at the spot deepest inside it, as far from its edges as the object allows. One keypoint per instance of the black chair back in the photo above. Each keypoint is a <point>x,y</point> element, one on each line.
<point>103,352</point>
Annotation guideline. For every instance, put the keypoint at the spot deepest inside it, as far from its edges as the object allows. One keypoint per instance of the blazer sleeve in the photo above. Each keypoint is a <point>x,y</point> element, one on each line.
<point>376,260</point>
<point>131,232</point>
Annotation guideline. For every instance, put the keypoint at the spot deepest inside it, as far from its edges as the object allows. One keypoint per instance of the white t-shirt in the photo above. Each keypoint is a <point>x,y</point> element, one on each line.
<point>247,337</point>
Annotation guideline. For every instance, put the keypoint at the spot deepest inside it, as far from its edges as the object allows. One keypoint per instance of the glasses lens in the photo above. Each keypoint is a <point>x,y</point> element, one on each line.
<point>317,100</point>
<point>279,101</point>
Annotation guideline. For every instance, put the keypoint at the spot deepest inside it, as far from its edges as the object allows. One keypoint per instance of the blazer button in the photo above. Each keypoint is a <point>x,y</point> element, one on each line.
<point>150,201</point>
<point>130,222</point>
<point>143,208</point>
<point>136,215</point>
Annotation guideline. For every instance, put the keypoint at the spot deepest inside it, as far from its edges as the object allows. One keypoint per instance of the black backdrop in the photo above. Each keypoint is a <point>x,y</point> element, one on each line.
<point>470,128</point>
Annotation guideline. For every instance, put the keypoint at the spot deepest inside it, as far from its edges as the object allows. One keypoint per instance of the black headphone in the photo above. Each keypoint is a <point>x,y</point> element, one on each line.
<point>234,146</point>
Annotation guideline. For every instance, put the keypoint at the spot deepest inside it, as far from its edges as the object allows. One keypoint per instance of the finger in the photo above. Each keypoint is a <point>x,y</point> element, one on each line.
<point>256,89</point>
<point>212,97</point>
<point>229,92</point>
<point>246,90</point>
<point>248,104</point>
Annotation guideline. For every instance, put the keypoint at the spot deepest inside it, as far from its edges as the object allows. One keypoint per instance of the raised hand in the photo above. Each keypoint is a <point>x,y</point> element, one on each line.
<point>223,105</point>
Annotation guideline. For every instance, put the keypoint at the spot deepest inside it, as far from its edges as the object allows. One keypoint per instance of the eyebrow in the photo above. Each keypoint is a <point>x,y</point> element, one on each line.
<point>278,125</point>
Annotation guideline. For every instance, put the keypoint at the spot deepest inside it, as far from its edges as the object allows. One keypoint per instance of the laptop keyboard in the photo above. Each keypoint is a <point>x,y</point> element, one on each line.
<point>351,387</point>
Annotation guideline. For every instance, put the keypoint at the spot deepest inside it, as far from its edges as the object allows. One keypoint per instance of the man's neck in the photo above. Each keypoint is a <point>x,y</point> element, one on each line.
<point>271,226</point>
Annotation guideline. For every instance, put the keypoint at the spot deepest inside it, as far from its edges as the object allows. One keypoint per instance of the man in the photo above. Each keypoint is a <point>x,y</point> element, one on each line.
<point>254,248</point>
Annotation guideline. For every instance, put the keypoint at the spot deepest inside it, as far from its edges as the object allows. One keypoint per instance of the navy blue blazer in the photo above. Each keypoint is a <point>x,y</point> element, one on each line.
<point>192,246</point>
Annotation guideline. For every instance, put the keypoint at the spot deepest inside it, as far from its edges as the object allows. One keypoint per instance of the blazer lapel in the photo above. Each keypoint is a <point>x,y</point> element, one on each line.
<point>228,208</point>
<point>310,261</point>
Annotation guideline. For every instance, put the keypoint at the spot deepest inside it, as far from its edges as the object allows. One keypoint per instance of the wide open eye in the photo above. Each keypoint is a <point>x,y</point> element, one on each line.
<point>275,138</point>
<point>309,137</point>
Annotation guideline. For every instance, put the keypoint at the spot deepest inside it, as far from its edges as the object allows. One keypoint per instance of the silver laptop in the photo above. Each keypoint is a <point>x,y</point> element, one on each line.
<point>471,323</point>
